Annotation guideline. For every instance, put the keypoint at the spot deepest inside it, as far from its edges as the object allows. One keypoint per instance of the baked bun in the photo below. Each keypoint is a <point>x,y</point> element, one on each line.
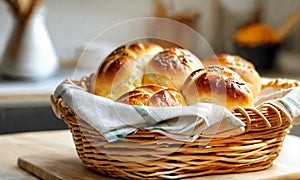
<point>217,85</point>
<point>239,65</point>
<point>153,95</point>
<point>123,69</point>
<point>171,67</point>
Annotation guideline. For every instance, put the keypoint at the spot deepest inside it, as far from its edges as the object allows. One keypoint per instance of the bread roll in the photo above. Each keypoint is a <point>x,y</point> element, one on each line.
<point>123,69</point>
<point>239,65</point>
<point>217,85</point>
<point>153,95</point>
<point>171,67</point>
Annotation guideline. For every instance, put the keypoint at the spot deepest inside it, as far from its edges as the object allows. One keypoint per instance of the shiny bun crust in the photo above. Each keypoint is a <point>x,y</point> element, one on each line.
<point>217,85</point>
<point>123,69</point>
<point>239,65</point>
<point>171,67</point>
<point>153,95</point>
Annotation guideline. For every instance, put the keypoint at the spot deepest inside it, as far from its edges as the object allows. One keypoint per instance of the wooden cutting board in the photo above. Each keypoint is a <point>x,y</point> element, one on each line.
<point>57,166</point>
<point>66,165</point>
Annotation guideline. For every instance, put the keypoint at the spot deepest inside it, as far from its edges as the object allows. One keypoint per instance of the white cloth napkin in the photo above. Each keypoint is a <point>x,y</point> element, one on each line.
<point>116,120</point>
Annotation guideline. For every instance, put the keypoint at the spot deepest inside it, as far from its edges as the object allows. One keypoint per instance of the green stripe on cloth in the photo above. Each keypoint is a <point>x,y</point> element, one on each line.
<point>150,121</point>
<point>293,102</point>
<point>116,134</point>
<point>291,105</point>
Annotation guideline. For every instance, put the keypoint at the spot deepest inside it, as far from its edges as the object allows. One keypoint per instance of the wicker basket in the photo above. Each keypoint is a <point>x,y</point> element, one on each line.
<point>266,128</point>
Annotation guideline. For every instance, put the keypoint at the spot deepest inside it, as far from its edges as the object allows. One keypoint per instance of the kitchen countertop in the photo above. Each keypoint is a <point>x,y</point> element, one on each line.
<point>25,105</point>
<point>17,91</point>
<point>50,142</point>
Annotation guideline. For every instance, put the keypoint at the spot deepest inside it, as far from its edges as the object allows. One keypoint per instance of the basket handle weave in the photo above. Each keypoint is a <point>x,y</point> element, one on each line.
<point>255,116</point>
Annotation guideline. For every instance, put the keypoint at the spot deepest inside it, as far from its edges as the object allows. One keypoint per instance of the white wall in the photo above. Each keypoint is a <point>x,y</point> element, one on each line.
<point>275,12</point>
<point>72,23</point>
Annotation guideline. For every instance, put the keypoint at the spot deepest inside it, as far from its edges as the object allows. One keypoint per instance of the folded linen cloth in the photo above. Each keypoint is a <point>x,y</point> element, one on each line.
<point>116,120</point>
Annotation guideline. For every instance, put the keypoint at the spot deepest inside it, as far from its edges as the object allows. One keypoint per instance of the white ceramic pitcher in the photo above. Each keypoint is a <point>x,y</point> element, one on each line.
<point>29,53</point>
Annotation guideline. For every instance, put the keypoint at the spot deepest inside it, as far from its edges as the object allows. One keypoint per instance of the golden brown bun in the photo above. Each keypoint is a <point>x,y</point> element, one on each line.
<point>123,69</point>
<point>239,65</point>
<point>153,95</point>
<point>171,67</point>
<point>217,85</point>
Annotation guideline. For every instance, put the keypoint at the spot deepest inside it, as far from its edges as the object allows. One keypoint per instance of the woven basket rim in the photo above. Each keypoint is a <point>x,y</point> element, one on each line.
<point>276,84</point>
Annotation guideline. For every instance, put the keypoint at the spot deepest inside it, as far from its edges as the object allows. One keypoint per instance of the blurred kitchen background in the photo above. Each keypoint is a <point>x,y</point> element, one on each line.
<point>72,24</point>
